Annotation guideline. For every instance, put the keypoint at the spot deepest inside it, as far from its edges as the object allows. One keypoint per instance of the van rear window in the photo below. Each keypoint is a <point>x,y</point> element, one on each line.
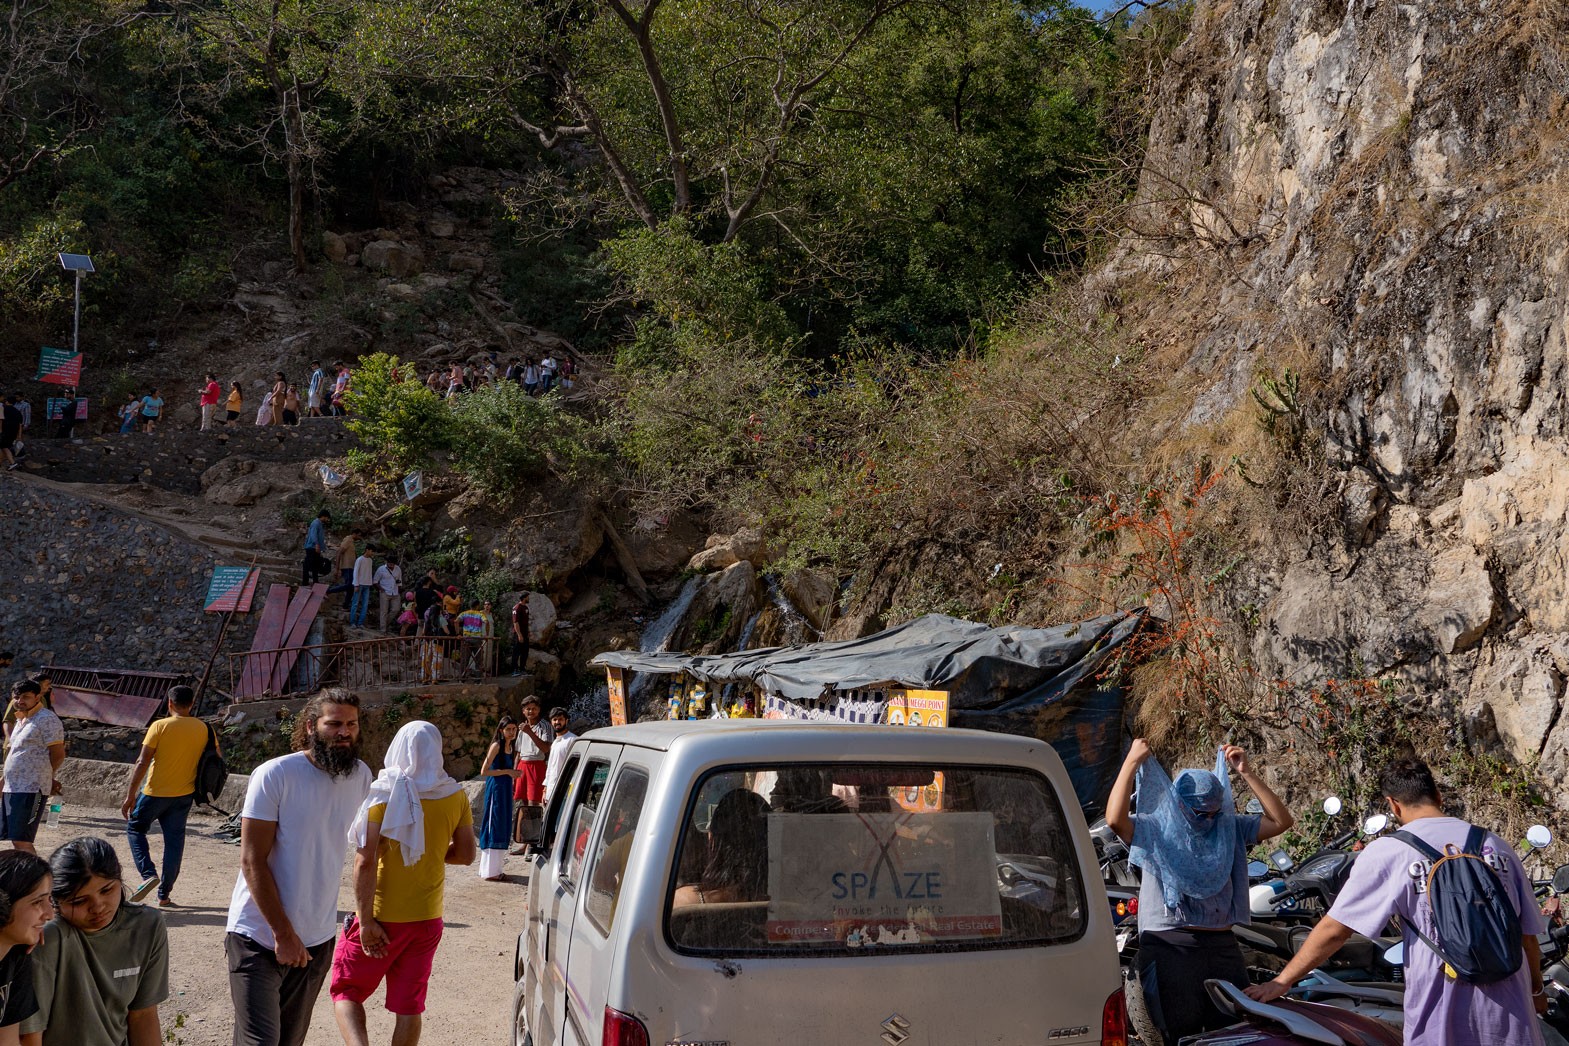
<point>873,858</point>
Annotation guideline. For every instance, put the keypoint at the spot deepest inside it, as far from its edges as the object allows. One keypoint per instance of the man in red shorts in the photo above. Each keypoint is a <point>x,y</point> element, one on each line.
<point>534,738</point>
<point>414,823</point>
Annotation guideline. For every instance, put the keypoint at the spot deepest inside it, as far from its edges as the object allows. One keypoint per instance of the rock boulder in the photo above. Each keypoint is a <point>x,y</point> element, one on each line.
<point>395,258</point>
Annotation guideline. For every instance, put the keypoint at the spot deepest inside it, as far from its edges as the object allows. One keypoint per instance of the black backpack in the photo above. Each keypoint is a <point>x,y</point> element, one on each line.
<point>1477,927</point>
<point>211,772</point>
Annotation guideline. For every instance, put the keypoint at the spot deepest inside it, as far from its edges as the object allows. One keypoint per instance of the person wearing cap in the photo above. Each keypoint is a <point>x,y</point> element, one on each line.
<point>520,634</point>
<point>451,602</point>
<point>561,727</point>
<point>533,745</point>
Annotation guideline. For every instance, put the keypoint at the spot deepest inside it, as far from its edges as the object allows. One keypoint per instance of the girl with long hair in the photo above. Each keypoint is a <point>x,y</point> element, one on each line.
<point>495,825</point>
<point>102,967</point>
<point>24,909</point>
<point>735,855</point>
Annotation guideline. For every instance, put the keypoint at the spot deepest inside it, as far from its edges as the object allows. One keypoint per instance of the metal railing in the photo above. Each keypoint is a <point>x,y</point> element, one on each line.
<point>123,681</point>
<point>255,675</point>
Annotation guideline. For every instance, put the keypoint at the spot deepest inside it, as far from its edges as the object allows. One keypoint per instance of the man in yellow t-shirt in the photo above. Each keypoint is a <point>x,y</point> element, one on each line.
<point>400,885</point>
<point>172,748</point>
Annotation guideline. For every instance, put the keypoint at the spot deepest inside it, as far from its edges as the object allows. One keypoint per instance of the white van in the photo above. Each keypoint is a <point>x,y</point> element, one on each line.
<point>753,883</point>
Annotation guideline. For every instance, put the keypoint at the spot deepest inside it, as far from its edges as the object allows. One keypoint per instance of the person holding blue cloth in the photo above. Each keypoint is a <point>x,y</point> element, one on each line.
<point>1191,845</point>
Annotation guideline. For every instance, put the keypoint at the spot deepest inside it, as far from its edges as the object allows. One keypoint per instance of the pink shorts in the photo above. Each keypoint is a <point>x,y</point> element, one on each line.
<point>411,947</point>
<point>530,786</point>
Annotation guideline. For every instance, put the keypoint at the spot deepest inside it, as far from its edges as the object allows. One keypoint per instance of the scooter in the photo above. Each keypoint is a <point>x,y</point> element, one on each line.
<point>1289,1021</point>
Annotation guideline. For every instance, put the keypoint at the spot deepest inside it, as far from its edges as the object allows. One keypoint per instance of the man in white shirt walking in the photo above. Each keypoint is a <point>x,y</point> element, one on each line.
<point>293,840</point>
<point>364,580</point>
<point>389,582</point>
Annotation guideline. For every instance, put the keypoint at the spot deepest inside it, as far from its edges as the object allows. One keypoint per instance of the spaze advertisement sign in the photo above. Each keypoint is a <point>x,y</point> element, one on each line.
<point>865,880</point>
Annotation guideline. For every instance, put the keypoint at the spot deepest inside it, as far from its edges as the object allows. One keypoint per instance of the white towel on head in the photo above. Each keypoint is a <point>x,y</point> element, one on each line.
<point>412,772</point>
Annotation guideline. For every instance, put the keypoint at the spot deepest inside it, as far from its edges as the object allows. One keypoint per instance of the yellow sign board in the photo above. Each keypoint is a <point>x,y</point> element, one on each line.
<point>925,708</point>
<point>917,707</point>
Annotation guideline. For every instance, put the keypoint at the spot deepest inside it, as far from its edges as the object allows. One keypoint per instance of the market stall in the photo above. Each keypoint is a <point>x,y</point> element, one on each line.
<point>932,671</point>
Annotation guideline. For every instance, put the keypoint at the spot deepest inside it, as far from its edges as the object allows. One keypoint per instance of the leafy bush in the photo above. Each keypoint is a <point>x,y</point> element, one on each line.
<point>30,269</point>
<point>400,420</point>
<point>501,438</point>
<point>488,586</point>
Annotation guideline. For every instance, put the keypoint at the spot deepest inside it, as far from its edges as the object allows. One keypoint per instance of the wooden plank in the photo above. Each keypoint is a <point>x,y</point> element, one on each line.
<point>100,707</point>
<point>310,601</point>
<point>249,594</point>
<point>269,630</point>
<point>269,661</point>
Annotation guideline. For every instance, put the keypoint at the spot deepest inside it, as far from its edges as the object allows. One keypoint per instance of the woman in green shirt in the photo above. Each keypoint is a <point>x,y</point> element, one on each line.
<point>80,968</point>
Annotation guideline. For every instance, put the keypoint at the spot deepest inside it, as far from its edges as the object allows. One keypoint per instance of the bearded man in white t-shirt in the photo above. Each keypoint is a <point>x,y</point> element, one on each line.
<point>283,915</point>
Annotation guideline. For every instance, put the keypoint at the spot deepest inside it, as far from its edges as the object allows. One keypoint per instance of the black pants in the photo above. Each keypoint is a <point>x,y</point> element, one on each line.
<point>519,654</point>
<point>1173,966</point>
<point>316,567</point>
<point>273,1003</point>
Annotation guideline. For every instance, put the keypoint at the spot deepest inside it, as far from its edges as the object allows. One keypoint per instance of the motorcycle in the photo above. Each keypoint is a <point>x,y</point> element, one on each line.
<point>1307,892</point>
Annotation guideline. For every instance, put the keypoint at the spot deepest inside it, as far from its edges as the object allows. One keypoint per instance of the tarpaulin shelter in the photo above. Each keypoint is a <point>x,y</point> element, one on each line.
<point>1041,682</point>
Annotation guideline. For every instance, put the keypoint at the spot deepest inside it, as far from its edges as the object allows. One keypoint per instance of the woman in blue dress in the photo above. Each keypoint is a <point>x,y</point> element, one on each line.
<point>495,825</point>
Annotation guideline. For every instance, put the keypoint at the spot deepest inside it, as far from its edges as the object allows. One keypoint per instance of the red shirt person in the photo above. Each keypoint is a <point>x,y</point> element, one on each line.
<point>211,393</point>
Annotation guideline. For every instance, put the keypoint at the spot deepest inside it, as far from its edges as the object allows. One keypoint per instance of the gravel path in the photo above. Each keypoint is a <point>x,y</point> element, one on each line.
<point>470,989</point>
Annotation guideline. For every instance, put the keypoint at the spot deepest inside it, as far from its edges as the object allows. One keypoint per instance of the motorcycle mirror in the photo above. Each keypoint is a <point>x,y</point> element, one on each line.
<point>1539,836</point>
<point>1281,859</point>
<point>1254,806</point>
<point>1257,869</point>
<point>1375,824</point>
<point>1561,879</point>
<point>1332,805</point>
<point>1395,954</point>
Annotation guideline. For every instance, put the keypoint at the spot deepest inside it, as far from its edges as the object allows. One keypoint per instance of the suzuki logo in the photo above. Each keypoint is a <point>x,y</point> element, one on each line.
<point>895,1030</point>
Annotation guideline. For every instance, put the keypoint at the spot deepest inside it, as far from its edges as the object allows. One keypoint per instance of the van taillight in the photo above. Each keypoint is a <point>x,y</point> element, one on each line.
<point>1113,1021</point>
<point>622,1029</point>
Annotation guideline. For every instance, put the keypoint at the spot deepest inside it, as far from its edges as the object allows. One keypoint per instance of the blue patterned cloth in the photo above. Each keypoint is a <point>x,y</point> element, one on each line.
<point>495,824</point>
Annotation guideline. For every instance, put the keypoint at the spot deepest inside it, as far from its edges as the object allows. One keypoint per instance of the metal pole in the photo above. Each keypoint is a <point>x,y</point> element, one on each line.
<point>76,324</point>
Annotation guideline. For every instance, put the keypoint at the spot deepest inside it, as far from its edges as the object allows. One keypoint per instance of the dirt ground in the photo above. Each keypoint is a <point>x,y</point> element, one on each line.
<point>470,987</point>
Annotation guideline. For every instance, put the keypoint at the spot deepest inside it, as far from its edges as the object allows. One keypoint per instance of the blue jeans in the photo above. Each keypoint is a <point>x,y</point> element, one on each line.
<point>361,605</point>
<point>346,586</point>
<point>170,812</point>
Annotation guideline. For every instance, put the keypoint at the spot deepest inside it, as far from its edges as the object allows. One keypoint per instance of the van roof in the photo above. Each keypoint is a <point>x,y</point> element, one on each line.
<point>921,742</point>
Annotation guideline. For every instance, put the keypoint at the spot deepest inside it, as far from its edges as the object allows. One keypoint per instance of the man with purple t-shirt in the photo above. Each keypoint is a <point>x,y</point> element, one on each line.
<point>1390,878</point>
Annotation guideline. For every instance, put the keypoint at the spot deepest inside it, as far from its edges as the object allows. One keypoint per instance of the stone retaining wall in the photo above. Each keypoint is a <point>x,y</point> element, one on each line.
<point>175,459</point>
<point>84,583</point>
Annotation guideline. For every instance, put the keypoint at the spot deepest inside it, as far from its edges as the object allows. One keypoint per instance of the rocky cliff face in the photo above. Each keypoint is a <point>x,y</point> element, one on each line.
<point>1371,196</point>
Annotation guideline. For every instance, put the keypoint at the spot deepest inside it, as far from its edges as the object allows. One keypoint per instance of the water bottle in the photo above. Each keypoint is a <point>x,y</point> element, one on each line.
<point>56,804</point>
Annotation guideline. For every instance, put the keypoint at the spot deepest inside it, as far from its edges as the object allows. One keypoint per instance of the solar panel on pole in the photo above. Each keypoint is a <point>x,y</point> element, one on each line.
<point>77,264</point>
